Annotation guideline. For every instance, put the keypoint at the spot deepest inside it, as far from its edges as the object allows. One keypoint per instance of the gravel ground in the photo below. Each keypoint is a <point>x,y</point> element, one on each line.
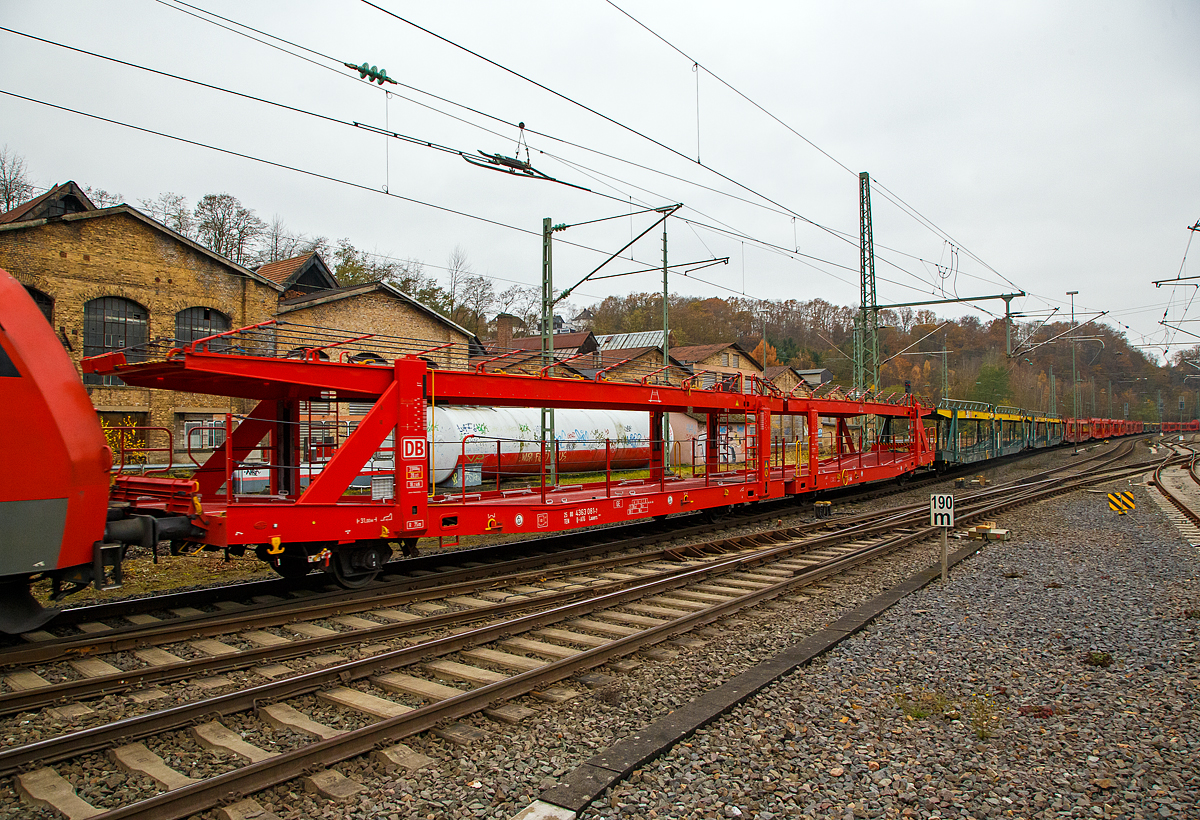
<point>499,775</point>
<point>988,696</point>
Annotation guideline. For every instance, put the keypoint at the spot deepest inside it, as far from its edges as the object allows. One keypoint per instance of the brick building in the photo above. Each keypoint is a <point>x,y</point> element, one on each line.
<point>637,363</point>
<point>717,360</point>
<point>113,278</point>
<point>377,307</point>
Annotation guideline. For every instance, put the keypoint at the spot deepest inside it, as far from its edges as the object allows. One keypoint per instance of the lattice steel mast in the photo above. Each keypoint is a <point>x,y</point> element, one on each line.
<point>866,348</point>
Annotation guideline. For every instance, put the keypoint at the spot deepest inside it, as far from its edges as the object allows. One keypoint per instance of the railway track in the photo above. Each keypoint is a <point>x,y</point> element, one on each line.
<point>437,668</point>
<point>127,615</point>
<point>393,605</point>
<point>1179,485</point>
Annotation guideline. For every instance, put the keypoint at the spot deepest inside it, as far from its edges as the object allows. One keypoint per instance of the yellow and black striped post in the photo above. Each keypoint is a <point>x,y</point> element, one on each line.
<point>1121,503</point>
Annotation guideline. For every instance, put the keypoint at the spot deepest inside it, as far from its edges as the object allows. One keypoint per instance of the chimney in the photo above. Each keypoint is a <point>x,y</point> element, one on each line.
<point>504,331</point>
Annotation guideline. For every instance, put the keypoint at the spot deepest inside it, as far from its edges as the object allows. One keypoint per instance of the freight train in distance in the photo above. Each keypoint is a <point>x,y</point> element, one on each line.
<point>66,515</point>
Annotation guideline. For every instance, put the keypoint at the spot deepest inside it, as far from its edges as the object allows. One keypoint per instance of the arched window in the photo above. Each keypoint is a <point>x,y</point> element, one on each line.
<point>112,323</point>
<point>198,322</point>
<point>45,303</point>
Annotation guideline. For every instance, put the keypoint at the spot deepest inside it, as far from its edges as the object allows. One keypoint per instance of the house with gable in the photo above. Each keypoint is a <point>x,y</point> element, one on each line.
<point>112,278</point>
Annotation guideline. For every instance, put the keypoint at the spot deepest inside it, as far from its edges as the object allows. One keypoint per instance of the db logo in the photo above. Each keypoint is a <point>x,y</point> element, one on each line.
<point>412,448</point>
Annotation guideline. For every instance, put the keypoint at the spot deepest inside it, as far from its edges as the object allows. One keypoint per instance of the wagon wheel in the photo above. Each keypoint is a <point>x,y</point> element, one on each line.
<point>355,567</point>
<point>715,514</point>
<point>350,577</point>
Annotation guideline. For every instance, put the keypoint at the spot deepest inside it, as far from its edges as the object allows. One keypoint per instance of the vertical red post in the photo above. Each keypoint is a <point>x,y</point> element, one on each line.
<point>497,465</point>
<point>607,467</point>
<point>814,444</point>
<point>711,445</point>
<point>228,458</point>
<point>543,471</point>
<point>657,451</point>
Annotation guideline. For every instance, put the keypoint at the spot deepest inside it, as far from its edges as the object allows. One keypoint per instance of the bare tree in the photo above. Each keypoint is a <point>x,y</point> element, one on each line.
<point>227,227</point>
<point>15,187</point>
<point>458,269</point>
<point>523,302</point>
<point>102,198</point>
<point>355,267</point>
<point>173,211</point>
<point>478,296</point>
<point>280,243</point>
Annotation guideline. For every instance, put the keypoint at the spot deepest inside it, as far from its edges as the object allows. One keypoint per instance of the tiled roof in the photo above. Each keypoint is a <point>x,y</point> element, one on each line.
<point>775,370</point>
<point>696,353</point>
<point>21,212</point>
<point>319,297</point>
<point>562,341</point>
<point>279,272</point>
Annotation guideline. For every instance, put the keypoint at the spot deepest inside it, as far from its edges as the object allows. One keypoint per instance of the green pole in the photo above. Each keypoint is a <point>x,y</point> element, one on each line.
<point>1074,386</point>
<point>868,337</point>
<point>666,422</point>
<point>547,433</point>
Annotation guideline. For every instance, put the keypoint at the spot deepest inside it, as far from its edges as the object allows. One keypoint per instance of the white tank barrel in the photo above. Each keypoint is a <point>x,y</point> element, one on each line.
<point>581,435</point>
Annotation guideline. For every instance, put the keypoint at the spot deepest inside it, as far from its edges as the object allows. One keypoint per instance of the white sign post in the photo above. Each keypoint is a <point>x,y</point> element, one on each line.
<point>941,514</point>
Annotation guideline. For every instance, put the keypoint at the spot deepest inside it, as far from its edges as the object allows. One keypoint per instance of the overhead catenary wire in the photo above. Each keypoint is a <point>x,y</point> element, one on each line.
<point>405,138</point>
<point>887,193</point>
<point>317,175</point>
<point>296,169</point>
<point>774,207</point>
<point>584,148</point>
<point>589,109</point>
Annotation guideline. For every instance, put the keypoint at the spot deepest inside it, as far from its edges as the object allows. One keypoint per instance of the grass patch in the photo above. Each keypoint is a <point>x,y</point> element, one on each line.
<point>172,572</point>
<point>1101,659</point>
<point>923,703</point>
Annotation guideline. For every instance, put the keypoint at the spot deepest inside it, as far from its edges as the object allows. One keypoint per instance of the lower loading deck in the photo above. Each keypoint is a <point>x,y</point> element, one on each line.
<point>259,519</point>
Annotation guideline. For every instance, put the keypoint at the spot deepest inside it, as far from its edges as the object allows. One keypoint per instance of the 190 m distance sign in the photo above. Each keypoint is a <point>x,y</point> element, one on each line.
<point>941,510</point>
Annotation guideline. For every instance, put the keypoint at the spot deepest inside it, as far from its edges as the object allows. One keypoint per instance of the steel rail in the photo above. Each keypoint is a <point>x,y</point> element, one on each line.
<point>1170,495</point>
<point>543,545</point>
<point>415,590</point>
<point>411,591</point>
<point>72,744</point>
<point>75,743</point>
<point>206,794</point>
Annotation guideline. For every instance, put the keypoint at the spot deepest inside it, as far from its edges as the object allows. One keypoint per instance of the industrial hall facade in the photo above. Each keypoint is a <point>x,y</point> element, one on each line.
<point>112,278</point>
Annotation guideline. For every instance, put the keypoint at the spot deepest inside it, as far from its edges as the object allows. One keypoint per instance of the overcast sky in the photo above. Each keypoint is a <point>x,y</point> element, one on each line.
<point>1052,146</point>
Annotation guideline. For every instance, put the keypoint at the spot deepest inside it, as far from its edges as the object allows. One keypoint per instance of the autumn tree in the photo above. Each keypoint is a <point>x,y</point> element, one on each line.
<point>768,359</point>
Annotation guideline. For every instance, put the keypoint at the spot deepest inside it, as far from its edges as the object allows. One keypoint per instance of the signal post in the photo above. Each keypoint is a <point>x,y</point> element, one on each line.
<point>941,514</point>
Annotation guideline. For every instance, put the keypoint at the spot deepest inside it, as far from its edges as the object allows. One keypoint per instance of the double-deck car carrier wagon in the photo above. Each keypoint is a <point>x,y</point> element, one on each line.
<point>306,520</point>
